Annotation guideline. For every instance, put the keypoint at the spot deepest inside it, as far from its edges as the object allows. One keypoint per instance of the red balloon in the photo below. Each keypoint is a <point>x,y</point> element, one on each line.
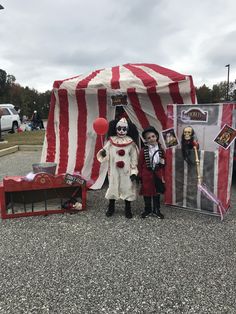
<point>100,126</point>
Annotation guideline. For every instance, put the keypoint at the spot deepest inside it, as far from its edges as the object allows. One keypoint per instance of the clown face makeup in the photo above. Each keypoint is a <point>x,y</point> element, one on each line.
<point>122,128</point>
<point>151,138</point>
<point>121,131</point>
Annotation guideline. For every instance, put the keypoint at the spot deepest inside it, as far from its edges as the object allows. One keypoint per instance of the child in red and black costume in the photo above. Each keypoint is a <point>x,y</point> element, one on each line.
<point>150,166</point>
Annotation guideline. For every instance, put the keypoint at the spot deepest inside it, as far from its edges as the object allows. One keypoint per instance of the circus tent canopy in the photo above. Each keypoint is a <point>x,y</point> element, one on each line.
<point>76,102</point>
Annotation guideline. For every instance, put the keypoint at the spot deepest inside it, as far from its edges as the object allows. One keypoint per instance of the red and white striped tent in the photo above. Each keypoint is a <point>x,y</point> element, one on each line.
<point>76,102</point>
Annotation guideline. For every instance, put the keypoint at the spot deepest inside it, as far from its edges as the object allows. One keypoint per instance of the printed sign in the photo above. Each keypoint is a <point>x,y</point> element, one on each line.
<point>194,115</point>
<point>72,179</point>
<point>119,100</point>
<point>170,138</point>
<point>225,137</point>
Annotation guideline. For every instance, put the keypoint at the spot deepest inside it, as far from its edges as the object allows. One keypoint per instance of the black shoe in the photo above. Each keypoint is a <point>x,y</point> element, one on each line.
<point>111,208</point>
<point>145,214</point>
<point>158,214</point>
<point>128,213</point>
<point>110,212</point>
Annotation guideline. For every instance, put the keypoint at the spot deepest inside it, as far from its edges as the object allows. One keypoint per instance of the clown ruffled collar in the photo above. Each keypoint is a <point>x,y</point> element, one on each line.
<point>120,141</point>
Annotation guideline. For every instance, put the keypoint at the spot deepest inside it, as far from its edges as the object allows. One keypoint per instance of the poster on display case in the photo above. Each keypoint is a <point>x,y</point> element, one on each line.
<point>225,137</point>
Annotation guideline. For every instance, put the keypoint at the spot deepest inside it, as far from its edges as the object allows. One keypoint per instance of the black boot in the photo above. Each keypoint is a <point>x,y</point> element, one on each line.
<point>128,213</point>
<point>156,207</point>
<point>148,206</point>
<point>111,208</point>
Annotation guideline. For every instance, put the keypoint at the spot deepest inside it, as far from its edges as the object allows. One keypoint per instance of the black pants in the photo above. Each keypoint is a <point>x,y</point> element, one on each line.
<point>149,200</point>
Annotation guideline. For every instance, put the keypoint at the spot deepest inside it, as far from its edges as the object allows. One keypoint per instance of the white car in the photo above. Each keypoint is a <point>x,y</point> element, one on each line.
<point>10,120</point>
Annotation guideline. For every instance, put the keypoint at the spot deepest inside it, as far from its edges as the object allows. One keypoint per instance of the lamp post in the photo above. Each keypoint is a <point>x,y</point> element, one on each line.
<point>227,90</point>
<point>1,139</point>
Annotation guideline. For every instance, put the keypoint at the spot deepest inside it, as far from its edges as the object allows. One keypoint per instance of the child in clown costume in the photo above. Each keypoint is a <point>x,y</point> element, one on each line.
<point>121,152</point>
<point>150,165</point>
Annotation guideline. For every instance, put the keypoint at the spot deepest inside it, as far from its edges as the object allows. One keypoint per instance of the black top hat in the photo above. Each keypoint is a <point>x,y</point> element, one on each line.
<point>150,129</point>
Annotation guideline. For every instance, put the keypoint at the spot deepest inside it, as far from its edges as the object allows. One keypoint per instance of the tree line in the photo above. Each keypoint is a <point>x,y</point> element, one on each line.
<point>216,94</point>
<point>24,98</point>
<point>28,99</point>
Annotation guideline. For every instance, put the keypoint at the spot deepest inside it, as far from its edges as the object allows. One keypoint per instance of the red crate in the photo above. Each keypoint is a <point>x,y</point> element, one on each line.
<point>43,187</point>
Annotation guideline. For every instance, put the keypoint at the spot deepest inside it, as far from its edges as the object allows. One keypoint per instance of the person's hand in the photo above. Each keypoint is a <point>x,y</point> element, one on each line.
<point>161,153</point>
<point>133,177</point>
<point>103,153</point>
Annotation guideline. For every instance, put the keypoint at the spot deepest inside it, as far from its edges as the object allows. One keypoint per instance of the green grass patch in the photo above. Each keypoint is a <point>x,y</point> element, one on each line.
<point>23,138</point>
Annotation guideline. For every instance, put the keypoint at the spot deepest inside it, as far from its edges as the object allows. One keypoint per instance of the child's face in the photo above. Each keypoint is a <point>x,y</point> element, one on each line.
<point>151,138</point>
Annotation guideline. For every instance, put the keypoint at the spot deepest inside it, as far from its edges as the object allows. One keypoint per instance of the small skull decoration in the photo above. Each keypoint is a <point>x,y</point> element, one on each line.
<point>188,133</point>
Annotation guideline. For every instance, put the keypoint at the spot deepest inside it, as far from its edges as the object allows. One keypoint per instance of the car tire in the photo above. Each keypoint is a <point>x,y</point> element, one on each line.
<point>14,127</point>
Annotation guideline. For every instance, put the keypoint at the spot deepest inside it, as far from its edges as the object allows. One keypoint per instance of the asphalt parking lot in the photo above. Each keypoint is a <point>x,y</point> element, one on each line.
<point>87,263</point>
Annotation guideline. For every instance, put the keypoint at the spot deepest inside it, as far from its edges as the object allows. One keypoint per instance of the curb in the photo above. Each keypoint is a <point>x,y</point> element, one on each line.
<point>30,147</point>
<point>13,149</point>
<point>9,150</point>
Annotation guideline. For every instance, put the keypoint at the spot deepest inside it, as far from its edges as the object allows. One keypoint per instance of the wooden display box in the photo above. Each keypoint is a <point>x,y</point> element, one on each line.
<point>43,195</point>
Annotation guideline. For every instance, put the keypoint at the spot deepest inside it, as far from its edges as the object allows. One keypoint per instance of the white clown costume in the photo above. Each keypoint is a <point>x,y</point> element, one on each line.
<point>121,152</point>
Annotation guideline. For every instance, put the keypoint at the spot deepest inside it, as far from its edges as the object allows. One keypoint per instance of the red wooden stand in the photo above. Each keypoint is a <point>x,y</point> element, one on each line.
<point>41,186</point>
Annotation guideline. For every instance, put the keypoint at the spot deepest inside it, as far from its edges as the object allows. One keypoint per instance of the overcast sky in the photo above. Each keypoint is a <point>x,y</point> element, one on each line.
<point>47,40</point>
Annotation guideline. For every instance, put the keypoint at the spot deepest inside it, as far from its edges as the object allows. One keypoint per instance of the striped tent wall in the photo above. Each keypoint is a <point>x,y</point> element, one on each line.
<point>216,163</point>
<point>76,102</point>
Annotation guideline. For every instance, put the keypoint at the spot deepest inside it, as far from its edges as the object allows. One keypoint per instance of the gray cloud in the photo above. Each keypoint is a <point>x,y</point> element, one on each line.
<point>48,40</point>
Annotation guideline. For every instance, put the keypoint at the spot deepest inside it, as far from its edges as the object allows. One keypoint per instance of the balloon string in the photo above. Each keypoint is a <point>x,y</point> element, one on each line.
<point>102,140</point>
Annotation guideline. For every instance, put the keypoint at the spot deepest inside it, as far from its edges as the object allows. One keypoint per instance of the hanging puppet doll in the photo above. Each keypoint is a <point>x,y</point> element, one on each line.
<point>188,142</point>
<point>150,166</point>
<point>121,152</point>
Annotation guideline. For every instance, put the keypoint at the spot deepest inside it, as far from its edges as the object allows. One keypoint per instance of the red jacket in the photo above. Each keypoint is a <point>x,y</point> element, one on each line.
<point>146,175</point>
